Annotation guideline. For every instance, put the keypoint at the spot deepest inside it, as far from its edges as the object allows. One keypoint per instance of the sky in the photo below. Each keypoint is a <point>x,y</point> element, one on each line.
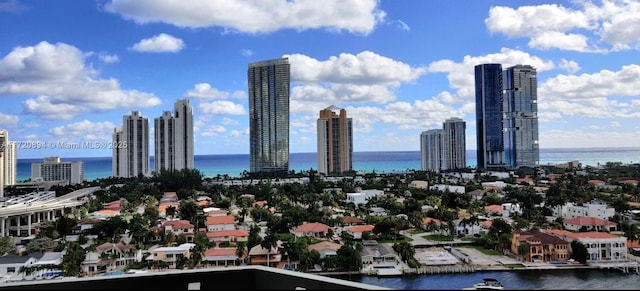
<point>70,70</point>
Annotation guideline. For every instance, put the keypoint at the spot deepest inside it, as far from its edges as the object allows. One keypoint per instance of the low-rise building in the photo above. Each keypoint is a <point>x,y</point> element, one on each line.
<point>601,246</point>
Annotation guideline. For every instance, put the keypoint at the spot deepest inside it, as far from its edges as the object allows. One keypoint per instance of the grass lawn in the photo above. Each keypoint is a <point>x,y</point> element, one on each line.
<point>483,250</point>
<point>438,237</point>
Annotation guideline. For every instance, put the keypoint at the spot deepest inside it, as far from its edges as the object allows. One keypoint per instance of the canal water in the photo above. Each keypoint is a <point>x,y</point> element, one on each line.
<point>569,279</point>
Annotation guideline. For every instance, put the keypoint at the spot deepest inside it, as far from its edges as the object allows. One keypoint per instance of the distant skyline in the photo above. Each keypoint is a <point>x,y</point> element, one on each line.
<point>69,70</point>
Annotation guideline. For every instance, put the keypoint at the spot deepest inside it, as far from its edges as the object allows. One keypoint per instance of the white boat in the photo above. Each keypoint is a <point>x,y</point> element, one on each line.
<point>487,284</point>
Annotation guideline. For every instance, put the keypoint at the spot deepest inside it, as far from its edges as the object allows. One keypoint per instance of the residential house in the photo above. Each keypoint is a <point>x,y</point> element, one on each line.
<point>419,184</point>
<point>222,257</point>
<point>356,231</point>
<point>234,235</point>
<point>598,209</point>
<point>325,248</point>
<point>541,247</point>
<point>360,198</point>
<point>170,255</point>
<point>351,220</point>
<point>314,229</point>
<point>601,246</point>
<point>214,211</point>
<point>109,257</point>
<point>178,227</point>
<point>261,256</point>
<point>375,253</point>
<point>589,223</point>
<point>85,225</point>
<point>509,209</point>
<point>10,264</point>
<point>217,223</point>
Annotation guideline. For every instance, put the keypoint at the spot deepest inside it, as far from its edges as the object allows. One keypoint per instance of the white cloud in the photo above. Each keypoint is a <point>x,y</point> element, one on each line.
<point>593,138</point>
<point>246,52</point>
<point>108,59</point>
<point>229,121</point>
<point>354,16</point>
<point>66,85</point>
<point>569,66</point>
<point>347,78</point>
<point>84,130</point>
<point>235,133</point>
<point>221,107</point>
<point>204,90</point>
<point>213,130</point>
<point>159,44</point>
<point>605,83</point>
<point>8,120</point>
<point>402,25</point>
<point>587,27</point>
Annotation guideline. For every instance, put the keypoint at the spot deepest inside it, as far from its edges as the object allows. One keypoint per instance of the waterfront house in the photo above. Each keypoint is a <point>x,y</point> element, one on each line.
<point>10,264</point>
<point>540,247</point>
<point>261,256</point>
<point>378,253</point>
<point>601,246</point>
<point>325,248</point>
<point>109,257</point>
<point>222,257</point>
<point>170,255</point>
<point>589,223</point>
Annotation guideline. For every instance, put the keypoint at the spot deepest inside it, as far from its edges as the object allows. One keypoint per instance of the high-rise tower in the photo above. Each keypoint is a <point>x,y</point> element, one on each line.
<point>268,90</point>
<point>444,149</point>
<point>520,116</point>
<point>131,147</point>
<point>490,141</point>
<point>454,143</point>
<point>8,161</point>
<point>335,141</point>
<point>173,137</point>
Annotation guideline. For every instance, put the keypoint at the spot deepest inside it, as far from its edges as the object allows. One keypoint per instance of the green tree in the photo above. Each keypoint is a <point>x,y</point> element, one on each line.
<point>579,252</point>
<point>269,242</point>
<point>74,255</point>
<point>6,246</point>
<point>188,210</point>
<point>41,245</point>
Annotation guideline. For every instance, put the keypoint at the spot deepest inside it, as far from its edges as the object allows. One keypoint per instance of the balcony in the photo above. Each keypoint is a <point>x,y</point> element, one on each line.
<point>228,278</point>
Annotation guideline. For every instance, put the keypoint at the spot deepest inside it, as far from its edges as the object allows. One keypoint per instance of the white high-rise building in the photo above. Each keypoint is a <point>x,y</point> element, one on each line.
<point>431,150</point>
<point>174,138</point>
<point>131,159</point>
<point>52,169</point>
<point>455,148</point>
<point>444,149</point>
<point>8,161</point>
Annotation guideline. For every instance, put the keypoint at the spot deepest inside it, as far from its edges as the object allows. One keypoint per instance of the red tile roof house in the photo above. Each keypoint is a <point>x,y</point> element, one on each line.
<point>589,223</point>
<point>177,227</point>
<point>325,248</point>
<point>230,236</point>
<point>542,246</point>
<point>315,229</point>
<point>357,230</point>
<point>352,220</point>
<point>222,257</point>
<point>217,223</point>
<point>261,256</point>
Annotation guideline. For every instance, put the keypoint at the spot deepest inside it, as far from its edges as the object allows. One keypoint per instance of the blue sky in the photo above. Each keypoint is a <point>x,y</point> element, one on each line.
<point>69,70</point>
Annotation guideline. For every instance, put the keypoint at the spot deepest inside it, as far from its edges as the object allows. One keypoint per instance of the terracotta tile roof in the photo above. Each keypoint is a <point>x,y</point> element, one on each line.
<point>360,228</point>
<point>543,238</point>
<point>164,205</point>
<point>225,233</point>
<point>630,181</point>
<point>108,212</point>
<point>229,219</point>
<point>220,252</point>
<point>486,223</point>
<point>588,220</point>
<point>324,245</point>
<point>178,224</point>
<point>578,235</point>
<point>493,208</point>
<point>312,227</point>
<point>427,220</point>
<point>351,219</point>
<point>595,182</point>
<point>204,203</point>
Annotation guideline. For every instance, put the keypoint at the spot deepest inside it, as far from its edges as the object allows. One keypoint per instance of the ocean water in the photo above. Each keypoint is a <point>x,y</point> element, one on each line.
<point>379,162</point>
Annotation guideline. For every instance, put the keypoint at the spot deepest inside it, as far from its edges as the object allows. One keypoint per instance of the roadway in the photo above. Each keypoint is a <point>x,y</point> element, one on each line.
<point>68,200</point>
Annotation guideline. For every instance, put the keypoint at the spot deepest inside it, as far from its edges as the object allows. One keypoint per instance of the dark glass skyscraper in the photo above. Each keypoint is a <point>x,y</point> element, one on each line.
<point>520,122</point>
<point>269,83</point>
<point>489,135</point>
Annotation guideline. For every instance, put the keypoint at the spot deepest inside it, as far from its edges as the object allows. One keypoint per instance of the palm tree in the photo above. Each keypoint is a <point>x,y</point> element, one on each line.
<point>240,248</point>
<point>269,242</point>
